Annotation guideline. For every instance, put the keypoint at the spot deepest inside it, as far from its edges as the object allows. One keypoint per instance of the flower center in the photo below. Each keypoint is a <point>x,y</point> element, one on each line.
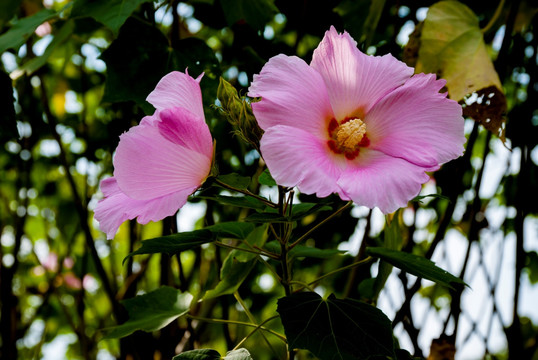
<point>347,137</point>
<point>350,134</point>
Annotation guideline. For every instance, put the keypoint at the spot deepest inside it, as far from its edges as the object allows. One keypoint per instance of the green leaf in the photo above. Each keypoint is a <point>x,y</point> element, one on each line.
<point>531,266</point>
<point>238,265</point>
<point>152,311</point>
<point>334,328</point>
<point>239,201</point>
<point>393,241</point>
<point>265,178</point>
<point>235,180</point>
<point>416,265</point>
<point>175,243</point>
<point>111,13</point>
<point>239,354</point>
<point>60,37</point>
<point>202,354</point>
<point>304,251</point>
<point>235,229</point>
<point>7,10</point>
<point>304,209</point>
<point>23,29</point>
<point>255,13</point>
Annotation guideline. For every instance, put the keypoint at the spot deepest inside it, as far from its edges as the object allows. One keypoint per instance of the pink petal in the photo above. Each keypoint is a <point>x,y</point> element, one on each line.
<point>293,94</point>
<point>177,89</point>
<point>354,80</point>
<point>295,157</point>
<point>417,123</point>
<point>147,165</point>
<point>117,207</point>
<point>180,126</point>
<point>379,180</point>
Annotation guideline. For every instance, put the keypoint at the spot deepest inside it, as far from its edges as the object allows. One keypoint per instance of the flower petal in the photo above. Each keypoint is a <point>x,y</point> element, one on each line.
<point>117,207</point>
<point>354,80</point>
<point>178,89</point>
<point>417,123</point>
<point>379,180</point>
<point>293,94</point>
<point>182,127</point>
<point>296,157</point>
<point>147,165</point>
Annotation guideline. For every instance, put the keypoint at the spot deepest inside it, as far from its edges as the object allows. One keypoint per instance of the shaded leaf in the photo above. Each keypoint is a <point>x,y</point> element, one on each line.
<point>265,178</point>
<point>267,217</point>
<point>7,10</point>
<point>436,196</point>
<point>235,180</point>
<point>175,243</point>
<point>238,265</point>
<point>255,13</point>
<point>305,251</point>
<point>240,201</point>
<point>202,354</point>
<point>416,265</point>
<point>392,240</point>
<point>334,328</point>
<point>152,311</point>
<point>111,13</point>
<point>452,46</point>
<point>23,29</point>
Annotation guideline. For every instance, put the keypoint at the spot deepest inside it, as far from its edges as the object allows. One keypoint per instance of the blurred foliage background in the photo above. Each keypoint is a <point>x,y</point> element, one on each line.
<point>74,76</point>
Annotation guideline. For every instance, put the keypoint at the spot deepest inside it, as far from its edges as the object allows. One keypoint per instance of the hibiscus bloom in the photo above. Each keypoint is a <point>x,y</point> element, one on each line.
<point>161,161</point>
<point>361,126</point>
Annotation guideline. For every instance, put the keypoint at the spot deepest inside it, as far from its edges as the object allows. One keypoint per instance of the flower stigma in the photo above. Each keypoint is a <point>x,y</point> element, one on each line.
<point>348,137</point>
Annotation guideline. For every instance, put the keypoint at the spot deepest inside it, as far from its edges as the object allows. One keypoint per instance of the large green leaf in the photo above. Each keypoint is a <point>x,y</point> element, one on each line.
<point>305,251</point>
<point>334,328</point>
<point>175,243</point>
<point>7,10</point>
<point>238,265</point>
<point>392,240</point>
<point>416,265</point>
<point>152,311</point>
<point>111,13</point>
<point>265,178</point>
<point>23,29</point>
<point>239,354</point>
<point>235,180</point>
<point>255,13</point>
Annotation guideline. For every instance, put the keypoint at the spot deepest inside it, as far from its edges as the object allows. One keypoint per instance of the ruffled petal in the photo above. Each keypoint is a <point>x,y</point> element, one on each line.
<point>417,123</point>
<point>117,207</point>
<point>147,165</point>
<point>293,94</point>
<point>354,80</point>
<point>177,89</point>
<point>182,127</point>
<point>379,180</point>
<point>295,157</point>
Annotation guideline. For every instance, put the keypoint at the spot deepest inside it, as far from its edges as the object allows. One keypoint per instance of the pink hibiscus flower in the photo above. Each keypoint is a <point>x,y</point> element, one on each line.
<point>161,161</point>
<point>361,126</point>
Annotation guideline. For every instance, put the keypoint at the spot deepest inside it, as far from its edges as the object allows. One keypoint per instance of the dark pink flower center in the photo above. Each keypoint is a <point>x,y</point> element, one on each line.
<point>347,137</point>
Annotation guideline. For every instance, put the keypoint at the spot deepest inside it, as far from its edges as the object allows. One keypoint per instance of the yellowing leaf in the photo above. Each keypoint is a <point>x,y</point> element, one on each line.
<point>452,46</point>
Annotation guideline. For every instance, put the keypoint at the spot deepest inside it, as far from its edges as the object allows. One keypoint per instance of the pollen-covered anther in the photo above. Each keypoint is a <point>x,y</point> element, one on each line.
<point>350,134</point>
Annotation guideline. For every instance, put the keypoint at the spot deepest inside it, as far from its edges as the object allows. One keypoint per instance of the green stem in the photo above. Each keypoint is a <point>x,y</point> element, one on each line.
<point>246,192</point>
<point>254,330</point>
<point>494,17</point>
<point>350,266</point>
<point>307,234</point>
<point>253,320</point>
<point>268,254</point>
<point>220,321</point>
